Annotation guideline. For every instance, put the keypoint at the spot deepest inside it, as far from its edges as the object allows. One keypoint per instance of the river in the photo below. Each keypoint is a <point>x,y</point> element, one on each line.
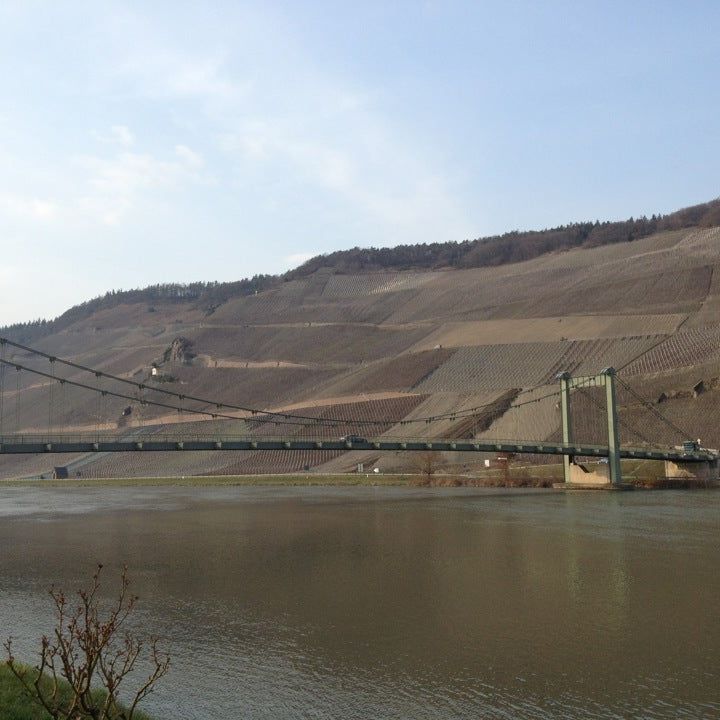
<point>281,603</point>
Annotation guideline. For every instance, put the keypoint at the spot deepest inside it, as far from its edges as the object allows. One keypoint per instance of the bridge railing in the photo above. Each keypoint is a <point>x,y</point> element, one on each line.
<point>499,444</point>
<point>82,443</point>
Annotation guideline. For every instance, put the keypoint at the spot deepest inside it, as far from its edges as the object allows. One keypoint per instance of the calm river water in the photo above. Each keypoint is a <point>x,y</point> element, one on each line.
<point>392,603</point>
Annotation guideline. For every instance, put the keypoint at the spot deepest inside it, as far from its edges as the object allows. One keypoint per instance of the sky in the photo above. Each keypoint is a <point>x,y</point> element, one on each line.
<point>152,142</point>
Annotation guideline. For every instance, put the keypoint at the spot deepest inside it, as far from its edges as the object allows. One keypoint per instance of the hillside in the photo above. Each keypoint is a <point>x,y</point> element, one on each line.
<point>493,251</point>
<point>389,345</point>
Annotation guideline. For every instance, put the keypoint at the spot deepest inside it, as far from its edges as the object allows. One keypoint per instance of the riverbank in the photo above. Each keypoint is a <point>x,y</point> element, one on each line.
<point>305,480</point>
<point>646,475</point>
<point>398,481</point>
<point>224,480</point>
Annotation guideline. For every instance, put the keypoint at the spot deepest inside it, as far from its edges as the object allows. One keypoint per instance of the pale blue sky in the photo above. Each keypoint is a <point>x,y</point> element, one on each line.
<point>145,142</point>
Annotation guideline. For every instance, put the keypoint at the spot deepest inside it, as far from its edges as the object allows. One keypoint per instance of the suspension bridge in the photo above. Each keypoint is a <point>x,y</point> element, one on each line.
<point>64,381</point>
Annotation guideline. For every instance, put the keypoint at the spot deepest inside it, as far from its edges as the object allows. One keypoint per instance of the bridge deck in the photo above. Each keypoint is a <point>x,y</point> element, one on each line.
<point>35,444</point>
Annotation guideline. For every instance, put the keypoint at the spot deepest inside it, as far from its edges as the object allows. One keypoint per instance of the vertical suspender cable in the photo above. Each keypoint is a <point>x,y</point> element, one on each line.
<point>51,397</point>
<point>141,406</point>
<point>17,399</point>
<point>2,386</point>
<point>62,404</point>
<point>98,406</point>
<point>98,402</point>
<point>105,415</point>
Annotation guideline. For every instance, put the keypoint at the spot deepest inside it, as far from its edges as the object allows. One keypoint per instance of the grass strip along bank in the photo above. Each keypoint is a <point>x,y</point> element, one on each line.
<point>350,480</point>
<point>353,479</point>
<point>15,704</point>
<point>643,474</point>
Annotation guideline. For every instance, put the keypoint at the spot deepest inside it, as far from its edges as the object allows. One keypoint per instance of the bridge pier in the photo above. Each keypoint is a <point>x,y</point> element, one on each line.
<point>592,476</point>
<point>583,476</point>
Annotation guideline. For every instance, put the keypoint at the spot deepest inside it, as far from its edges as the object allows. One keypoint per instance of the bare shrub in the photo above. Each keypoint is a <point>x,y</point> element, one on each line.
<point>89,655</point>
<point>427,464</point>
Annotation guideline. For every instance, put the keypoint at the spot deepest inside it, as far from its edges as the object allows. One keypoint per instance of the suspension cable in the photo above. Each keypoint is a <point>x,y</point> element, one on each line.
<point>279,417</point>
<point>265,417</point>
<point>682,433</point>
<point>168,406</point>
<point>625,424</point>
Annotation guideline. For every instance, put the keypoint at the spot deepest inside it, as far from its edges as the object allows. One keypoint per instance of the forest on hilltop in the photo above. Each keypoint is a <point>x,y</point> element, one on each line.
<point>511,247</point>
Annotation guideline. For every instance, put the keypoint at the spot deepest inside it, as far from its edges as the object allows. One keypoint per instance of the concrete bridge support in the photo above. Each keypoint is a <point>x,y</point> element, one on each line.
<point>703,472</point>
<point>590,475</point>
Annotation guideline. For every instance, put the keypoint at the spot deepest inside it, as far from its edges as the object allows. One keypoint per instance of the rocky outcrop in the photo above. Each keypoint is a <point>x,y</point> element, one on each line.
<point>179,351</point>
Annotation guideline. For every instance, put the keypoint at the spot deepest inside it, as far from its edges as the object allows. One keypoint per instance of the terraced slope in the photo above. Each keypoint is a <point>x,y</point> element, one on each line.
<point>396,346</point>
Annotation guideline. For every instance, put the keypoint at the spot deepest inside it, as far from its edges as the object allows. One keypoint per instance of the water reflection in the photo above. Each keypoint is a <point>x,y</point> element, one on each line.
<point>357,604</point>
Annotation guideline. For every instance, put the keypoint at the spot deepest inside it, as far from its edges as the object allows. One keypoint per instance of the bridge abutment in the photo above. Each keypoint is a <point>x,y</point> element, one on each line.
<point>702,472</point>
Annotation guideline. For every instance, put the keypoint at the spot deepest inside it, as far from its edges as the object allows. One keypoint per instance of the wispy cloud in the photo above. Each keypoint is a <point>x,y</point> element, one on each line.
<point>189,157</point>
<point>106,188</point>
<point>114,184</point>
<point>117,135</point>
<point>317,129</point>
<point>122,135</point>
<point>367,166</point>
<point>295,259</point>
<point>27,207</point>
<point>229,129</point>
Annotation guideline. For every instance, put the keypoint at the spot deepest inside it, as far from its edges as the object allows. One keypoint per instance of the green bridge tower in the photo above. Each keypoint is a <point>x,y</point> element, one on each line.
<point>605,379</point>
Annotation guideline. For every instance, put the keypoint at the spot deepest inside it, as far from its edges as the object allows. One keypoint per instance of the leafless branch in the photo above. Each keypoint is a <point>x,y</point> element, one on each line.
<point>90,649</point>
